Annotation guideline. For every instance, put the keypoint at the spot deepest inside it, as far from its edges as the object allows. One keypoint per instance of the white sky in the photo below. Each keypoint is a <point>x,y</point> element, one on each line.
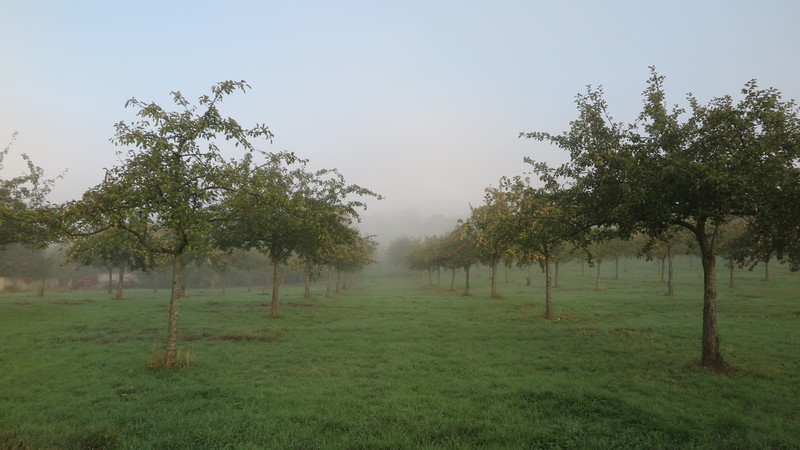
<point>421,101</point>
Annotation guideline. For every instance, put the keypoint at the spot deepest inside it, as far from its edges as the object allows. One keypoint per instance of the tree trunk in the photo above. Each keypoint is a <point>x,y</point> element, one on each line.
<point>329,281</point>
<point>494,280</point>
<point>731,268</point>
<point>670,257</point>
<point>661,267</point>
<point>338,276</point>
<point>709,347</point>
<point>548,290</point>
<point>766,270</point>
<point>249,280</point>
<point>110,280</point>
<point>184,284</point>
<point>276,281</point>
<point>170,355</point>
<point>120,279</point>
<point>307,288</point>
<point>597,280</point>
<point>616,268</point>
<point>466,283</point>
<point>438,278</point>
<point>453,280</point>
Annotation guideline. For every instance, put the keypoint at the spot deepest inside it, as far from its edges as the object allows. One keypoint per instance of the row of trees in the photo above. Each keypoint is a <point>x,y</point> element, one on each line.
<point>38,269</point>
<point>174,194</point>
<point>724,167</point>
<point>447,251</point>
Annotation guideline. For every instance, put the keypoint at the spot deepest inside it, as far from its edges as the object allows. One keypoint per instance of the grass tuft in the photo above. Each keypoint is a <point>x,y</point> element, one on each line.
<point>158,359</point>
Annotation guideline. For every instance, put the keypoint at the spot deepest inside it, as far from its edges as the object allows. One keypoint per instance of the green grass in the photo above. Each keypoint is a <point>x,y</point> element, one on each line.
<point>395,364</point>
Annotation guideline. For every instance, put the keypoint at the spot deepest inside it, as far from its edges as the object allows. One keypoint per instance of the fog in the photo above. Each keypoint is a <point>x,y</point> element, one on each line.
<point>422,102</point>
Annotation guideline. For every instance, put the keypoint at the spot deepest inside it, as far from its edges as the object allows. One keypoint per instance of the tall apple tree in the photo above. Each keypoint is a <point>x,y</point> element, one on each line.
<point>697,170</point>
<point>167,184</point>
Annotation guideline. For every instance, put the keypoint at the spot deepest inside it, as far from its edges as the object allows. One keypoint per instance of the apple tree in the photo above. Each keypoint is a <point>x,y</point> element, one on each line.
<point>168,182</point>
<point>697,170</point>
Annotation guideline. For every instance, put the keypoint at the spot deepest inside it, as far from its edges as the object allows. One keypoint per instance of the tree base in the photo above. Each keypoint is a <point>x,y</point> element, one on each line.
<point>182,358</point>
<point>717,364</point>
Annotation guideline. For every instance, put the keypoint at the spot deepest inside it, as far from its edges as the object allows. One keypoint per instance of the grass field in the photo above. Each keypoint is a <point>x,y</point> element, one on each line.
<point>396,364</point>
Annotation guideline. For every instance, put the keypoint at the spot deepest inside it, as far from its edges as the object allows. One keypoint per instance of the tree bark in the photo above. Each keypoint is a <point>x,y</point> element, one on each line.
<point>670,257</point>
<point>466,284</point>
<point>731,267</point>
<point>494,280</point>
<point>110,280</point>
<point>766,270</point>
<point>170,355</point>
<point>307,288</point>
<point>120,279</point>
<point>328,282</point>
<point>276,281</point>
<point>184,283</point>
<point>709,347</point>
<point>453,280</point>
<point>597,280</point>
<point>548,290</point>
<point>616,268</point>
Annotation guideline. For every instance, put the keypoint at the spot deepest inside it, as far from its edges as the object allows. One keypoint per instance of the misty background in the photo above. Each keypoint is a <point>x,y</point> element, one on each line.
<point>420,101</point>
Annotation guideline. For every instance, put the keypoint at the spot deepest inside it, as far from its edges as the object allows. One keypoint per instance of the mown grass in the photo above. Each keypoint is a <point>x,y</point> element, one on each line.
<point>396,364</point>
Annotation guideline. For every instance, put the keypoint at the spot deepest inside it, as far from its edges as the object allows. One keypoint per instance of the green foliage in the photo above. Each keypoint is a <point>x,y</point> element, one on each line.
<point>164,191</point>
<point>19,261</point>
<point>22,197</point>
<point>110,248</point>
<point>280,208</point>
<point>492,225</point>
<point>727,160</point>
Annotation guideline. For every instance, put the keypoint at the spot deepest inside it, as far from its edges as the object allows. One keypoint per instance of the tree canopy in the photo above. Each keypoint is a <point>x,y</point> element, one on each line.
<point>727,159</point>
